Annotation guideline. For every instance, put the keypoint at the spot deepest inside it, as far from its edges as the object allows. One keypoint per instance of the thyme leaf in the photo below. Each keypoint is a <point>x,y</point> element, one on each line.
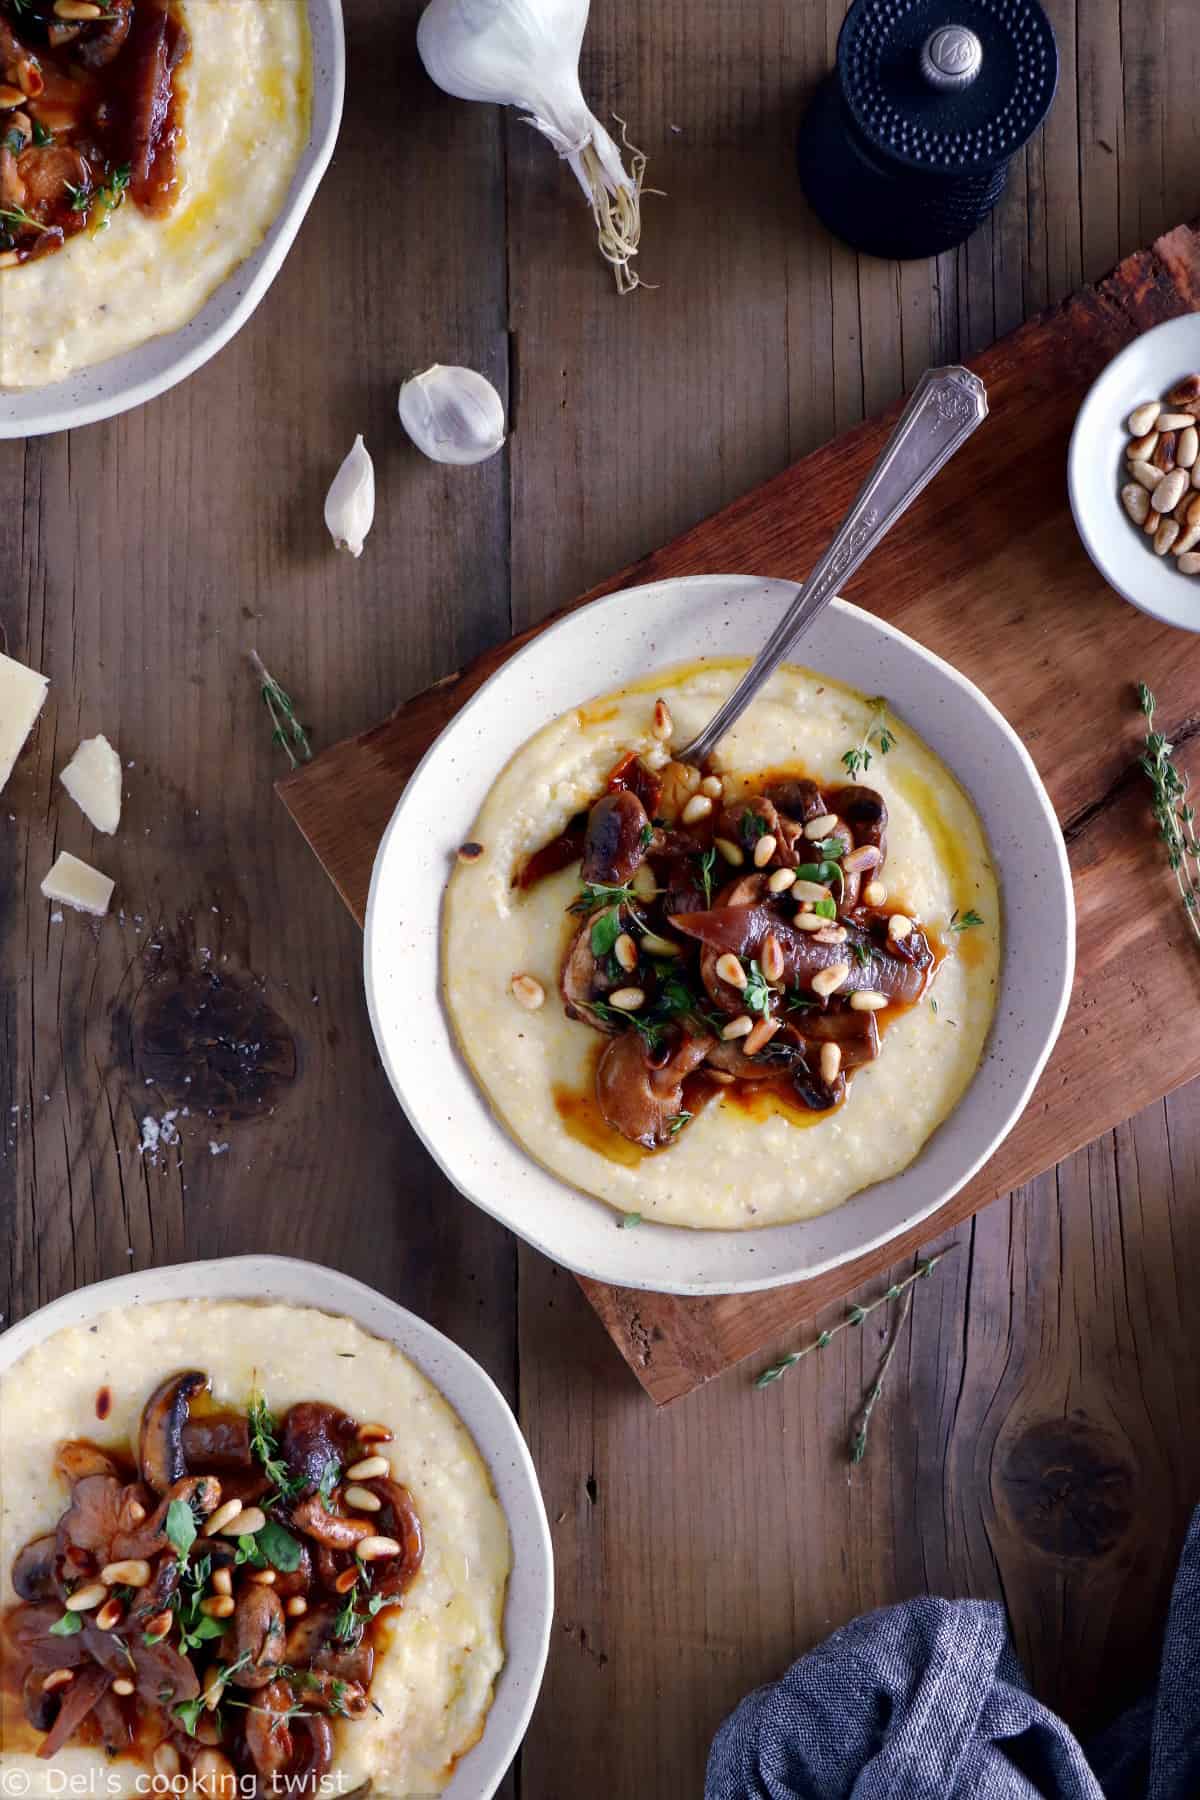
<point>878,732</point>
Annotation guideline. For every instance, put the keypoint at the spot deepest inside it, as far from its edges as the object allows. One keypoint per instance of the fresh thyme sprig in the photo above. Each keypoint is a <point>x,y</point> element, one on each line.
<point>288,732</point>
<point>265,1447</point>
<point>601,893</point>
<point>964,921</point>
<point>858,760</point>
<point>1174,814</point>
<point>19,219</point>
<point>856,1315</point>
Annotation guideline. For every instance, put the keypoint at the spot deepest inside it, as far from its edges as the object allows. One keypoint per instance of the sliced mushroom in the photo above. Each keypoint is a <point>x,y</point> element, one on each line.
<point>865,811</point>
<point>259,1627</point>
<point>116,1727</point>
<point>746,822</point>
<point>39,1707</point>
<point>148,1539</point>
<point>160,1438</point>
<point>268,1733</point>
<point>329,1527</point>
<point>27,1629</point>
<point>798,800</point>
<point>638,1098</point>
<point>584,978</point>
<point>158,1592</point>
<point>33,1569</point>
<point>78,1699</point>
<point>220,1442</point>
<point>617,836</point>
<point>399,1519</point>
<point>93,1519</point>
<point>314,1438</point>
<point>100,45</point>
<point>77,1458</point>
<point>855,1033</point>
<point>317,1757</point>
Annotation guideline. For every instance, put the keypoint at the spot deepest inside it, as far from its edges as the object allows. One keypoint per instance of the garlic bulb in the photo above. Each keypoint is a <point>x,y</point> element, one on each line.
<point>453,415</point>
<point>350,502</point>
<point>525,53</point>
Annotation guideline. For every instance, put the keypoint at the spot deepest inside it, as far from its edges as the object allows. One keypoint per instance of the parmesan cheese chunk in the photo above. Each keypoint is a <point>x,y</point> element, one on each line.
<point>75,884</point>
<point>22,696</point>
<point>93,780</point>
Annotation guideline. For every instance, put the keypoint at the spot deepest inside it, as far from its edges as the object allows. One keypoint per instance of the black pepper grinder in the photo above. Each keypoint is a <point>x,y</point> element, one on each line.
<point>906,146</point>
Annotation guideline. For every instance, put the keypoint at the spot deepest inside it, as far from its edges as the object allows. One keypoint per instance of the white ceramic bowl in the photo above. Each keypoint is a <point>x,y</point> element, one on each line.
<point>591,652</point>
<point>129,380</point>
<point>474,1397</point>
<point>1144,370</point>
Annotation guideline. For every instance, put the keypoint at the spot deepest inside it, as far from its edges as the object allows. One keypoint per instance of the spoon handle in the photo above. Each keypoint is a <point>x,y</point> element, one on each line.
<point>943,410</point>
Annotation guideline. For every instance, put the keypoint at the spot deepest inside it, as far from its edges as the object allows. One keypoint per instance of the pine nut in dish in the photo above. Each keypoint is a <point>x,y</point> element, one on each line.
<point>77,10</point>
<point>770,959</point>
<point>713,786</point>
<point>899,927</point>
<point>730,970</point>
<point>783,879</point>
<point>218,1606</point>
<point>247,1523</point>
<point>867,856</point>
<point>1146,475</point>
<point>1141,419</point>
<point>627,999</point>
<point>133,1572</point>
<point>1142,449</point>
<point>827,981</point>
<point>654,945</point>
<point>346,1580</point>
<point>662,724</point>
<point>224,1515</point>
<point>830,1063</point>
<point>816,829</point>
<point>831,934</point>
<point>87,1597</point>
<point>625,951</point>
<point>109,1616</point>
<point>732,852</point>
<point>361,1499</point>
<point>369,1469</point>
<point>262,1577</point>
<point>764,1030</point>
<point>765,849</point>
<point>874,893</point>
<point>222,1581</point>
<point>528,992</point>
<point>374,1434</point>
<point>296,1606</point>
<point>805,890</point>
<point>57,1678</point>
<point>867,1000</point>
<point>373,1549</point>
<point>810,921</point>
<point>740,1027</point>
<point>698,807</point>
<point>123,1686</point>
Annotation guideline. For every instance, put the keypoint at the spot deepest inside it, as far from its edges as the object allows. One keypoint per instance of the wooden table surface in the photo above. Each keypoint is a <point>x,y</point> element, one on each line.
<point>1036,1442</point>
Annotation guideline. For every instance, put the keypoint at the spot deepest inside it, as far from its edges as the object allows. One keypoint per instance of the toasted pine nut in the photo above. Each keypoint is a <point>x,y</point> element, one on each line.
<point>133,1572</point>
<point>222,1580</point>
<point>899,926</point>
<point>123,1686</point>
<point>654,945</point>
<point>713,786</point>
<point>783,879</point>
<point>867,1000</point>
<point>662,724</point>
<point>362,1499</point>
<point>874,894</point>
<point>730,969</point>
<point>296,1607</point>
<point>865,857</point>
<point>77,9</point>
<point>93,1593</point>
<point>770,959</point>
<point>219,1606</point>
<point>159,1625</point>
<point>821,828</point>
<point>740,1027</point>
<point>110,1615</point>
<point>828,981</point>
<point>831,934</point>
<point>810,921</point>
<point>370,1549</point>
<point>697,808</point>
<point>831,1063</point>
<point>214,1687</point>
<point>643,883</point>
<point>166,1761</point>
<point>345,1581</point>
<point>368,1468</point>
<point>765,849</point>
<point>57,1678</point>
<point>730,851</point>
<point>625,951</point>
<point>222,1517</point>
<point>530,993</point>
<point>807,890</point>
<point>136,1512</point>
<point>374,1434</point>
<point>262,1577</point>
<point>248,1521</point>
<point>627,999</point>
<point>213,1775</point>
<point>764,1030</point>
<point>10,96</point>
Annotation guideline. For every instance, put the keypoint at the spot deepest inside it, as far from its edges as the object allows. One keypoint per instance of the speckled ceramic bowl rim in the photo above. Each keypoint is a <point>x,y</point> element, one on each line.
<point>592,651</point>
<point>123,382</point>
<point>465,1385</point>
<point>1094,457</point>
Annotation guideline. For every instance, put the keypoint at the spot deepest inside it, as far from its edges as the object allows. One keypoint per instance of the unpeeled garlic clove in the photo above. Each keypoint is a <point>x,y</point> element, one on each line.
<point>350,502</point>
<point>454,415</point>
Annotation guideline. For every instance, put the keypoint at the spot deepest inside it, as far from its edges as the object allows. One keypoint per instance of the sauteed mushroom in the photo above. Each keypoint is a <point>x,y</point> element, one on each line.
<point>33,1571</point>
<point>259,1629</point>
<point>642,1099</point>
<point>160,1440</point>
<point>618,832</point>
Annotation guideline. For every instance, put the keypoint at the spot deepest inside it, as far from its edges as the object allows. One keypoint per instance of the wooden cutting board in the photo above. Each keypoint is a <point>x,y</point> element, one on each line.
<point>986,570</point>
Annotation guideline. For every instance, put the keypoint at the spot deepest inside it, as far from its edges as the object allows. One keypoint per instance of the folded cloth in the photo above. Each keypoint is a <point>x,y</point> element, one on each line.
<point>927,1701</point>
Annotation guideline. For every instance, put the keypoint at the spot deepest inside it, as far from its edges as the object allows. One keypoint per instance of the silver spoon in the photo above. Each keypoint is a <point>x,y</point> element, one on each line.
<point>943,410</point>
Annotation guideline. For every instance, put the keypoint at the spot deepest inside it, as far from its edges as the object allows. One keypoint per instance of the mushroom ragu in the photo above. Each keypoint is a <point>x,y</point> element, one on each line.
<point>733,934</point>
<point>211,1597</point>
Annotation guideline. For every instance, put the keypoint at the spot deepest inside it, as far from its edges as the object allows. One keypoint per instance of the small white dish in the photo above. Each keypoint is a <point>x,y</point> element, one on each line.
<point>529,1607</point>
<point>593,651</point>
<point>123,382</point>
<point>1143,371</point>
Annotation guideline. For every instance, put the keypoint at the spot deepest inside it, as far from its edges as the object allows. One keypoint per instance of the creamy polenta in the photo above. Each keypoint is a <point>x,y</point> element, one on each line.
<point>436,1653</point>
<point>747,1157</point>
<point>244,93</point>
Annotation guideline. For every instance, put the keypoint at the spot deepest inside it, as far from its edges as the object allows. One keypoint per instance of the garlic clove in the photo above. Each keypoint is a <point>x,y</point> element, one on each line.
<point>453,415</point>
<point>350,502</point>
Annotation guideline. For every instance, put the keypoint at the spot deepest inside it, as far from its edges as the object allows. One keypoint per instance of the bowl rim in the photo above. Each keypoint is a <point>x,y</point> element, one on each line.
<point>1075,449</point>
<point>467,1388</point>
<point>698,1285</point>
<point>257,272</point>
